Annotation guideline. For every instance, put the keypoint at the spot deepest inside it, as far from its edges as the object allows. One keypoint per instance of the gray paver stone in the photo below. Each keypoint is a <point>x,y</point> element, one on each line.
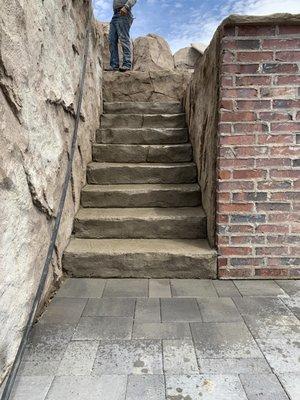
<point>96,328</point>
<point>145,387</point>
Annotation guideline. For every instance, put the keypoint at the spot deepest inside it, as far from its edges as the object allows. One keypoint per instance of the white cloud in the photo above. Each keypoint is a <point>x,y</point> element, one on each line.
<point>201,26</point>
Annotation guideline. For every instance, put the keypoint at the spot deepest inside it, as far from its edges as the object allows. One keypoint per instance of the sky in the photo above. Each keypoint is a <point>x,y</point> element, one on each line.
<point>187,21</point>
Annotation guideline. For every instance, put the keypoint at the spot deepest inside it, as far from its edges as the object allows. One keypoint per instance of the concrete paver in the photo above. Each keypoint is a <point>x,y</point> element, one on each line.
<point>140,339</point>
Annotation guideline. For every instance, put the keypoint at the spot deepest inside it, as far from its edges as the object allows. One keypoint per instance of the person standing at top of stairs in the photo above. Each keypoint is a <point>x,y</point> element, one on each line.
<point>120,31</point>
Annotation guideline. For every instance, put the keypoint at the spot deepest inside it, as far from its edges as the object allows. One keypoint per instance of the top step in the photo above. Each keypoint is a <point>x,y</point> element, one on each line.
<point>143,108</point>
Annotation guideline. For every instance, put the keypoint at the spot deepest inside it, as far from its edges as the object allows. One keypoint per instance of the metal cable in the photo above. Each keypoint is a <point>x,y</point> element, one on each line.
<point>15,367</point>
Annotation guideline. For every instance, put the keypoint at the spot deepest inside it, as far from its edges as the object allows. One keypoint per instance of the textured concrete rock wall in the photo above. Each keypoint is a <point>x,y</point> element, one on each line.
<point>161,86</point>
<point>201,104</point>
<point>41,47</point>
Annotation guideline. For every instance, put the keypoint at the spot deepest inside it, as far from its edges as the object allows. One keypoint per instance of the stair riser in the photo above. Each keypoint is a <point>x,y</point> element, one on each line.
<point>142,229</point>
<point>142,121</point>
<point>142,265</point>
<point>143,108</point>
<point>142,154</point>
<point>142,136</point>
<point>145,199</point>
<point>138,174</point>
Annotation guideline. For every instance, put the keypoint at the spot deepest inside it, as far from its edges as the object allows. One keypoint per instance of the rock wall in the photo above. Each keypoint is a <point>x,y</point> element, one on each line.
<point>41,48</point>
<point>201,105</point>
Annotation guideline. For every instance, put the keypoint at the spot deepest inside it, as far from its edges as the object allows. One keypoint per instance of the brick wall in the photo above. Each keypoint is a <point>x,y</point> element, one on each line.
<point>258,181</point>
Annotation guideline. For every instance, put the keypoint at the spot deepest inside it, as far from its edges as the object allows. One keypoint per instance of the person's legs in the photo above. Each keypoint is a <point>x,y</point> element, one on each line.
<point>123,26</point>
<point>113,44</point>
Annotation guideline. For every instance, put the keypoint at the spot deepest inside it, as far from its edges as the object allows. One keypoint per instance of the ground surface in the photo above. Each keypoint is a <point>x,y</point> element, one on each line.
<point>160,339</point>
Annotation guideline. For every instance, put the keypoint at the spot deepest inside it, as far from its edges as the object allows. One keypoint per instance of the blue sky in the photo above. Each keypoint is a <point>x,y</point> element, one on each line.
<point>186,21</point>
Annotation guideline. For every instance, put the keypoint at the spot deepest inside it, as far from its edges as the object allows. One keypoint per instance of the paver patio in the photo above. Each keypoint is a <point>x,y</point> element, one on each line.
<point>165,340</point>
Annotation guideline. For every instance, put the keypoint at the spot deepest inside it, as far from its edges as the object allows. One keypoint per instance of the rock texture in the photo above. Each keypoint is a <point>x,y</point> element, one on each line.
<point>186,58</point>
<point>41,48</point>
<point>201,104</point>
<point>152,53</point>
<point>162,86</point>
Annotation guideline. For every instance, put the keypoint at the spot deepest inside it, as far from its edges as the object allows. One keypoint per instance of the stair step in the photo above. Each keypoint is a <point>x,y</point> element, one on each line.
<point>143,108</point>
<point>129,153</point>
<point>140,258</point>
<point>111,173</point>
<point>145,223</point>
<point>142,135</point>
<point>143,121</point>
<point>165,195</point>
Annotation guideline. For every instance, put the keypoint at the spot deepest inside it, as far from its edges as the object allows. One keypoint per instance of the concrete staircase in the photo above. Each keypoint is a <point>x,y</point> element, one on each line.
<point>141,212</point>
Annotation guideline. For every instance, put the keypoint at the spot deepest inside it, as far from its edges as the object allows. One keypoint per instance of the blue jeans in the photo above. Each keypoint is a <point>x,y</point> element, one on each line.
<point>119,31</point>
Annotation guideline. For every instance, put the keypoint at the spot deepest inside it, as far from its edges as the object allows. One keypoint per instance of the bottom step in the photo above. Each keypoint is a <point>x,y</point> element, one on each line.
<point>140,258</point>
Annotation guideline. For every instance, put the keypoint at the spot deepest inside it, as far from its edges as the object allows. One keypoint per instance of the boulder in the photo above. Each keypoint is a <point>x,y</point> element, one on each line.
<point>161,86</point>
<point>186,58</point>
<point>152,53</point>
<point>104,47</point>
<point>200,47</point>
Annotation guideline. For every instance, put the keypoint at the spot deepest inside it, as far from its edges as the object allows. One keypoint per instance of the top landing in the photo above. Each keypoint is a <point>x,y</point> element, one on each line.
<point>136,86</point>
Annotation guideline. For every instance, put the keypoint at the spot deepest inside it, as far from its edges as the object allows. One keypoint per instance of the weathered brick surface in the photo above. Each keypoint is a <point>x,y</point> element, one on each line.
<point>258,179</point>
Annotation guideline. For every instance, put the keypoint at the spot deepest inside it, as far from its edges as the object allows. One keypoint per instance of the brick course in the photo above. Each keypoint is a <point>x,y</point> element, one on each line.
<point>258,179</point>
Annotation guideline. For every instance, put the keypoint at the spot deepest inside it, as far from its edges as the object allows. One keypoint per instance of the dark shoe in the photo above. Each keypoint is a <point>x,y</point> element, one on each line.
<point>111,69</point>
<point>124,69</point>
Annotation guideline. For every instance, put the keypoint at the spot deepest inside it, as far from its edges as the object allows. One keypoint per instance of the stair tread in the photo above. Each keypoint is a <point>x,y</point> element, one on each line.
<point>137,145</point>
<point>187,247</point>
<point>142,187</point>
<point>138,165</point>
<point>152,213</point>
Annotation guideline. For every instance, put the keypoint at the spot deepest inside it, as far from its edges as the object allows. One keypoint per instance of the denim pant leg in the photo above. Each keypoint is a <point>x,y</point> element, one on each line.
<point>113,44</point>
<point>123,27</point>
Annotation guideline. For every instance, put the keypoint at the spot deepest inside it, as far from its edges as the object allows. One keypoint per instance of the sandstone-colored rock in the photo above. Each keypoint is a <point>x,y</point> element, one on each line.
<point>145,86</point>
<point>41,48</point>
<point>152,53</point>
<point>186,58</point>
<point>200,47</point>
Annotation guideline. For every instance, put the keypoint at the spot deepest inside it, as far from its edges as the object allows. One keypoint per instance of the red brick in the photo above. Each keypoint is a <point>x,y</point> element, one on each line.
<point>237,140</point>
<point>285,173</point>
<point>265,228</point>
<point>294,251</point>
<point>298,116</point>
<point>285,127</point>
<point>249,174</point>
<point>236,208</point>
<point>282,217</point>
<point>286,103</point>
<point>236,240</point>
<point>255,56</point>
<point>289,30</point>
<point>239,93</point>
<point>281,44</point>
<point>275,116</point>
<point>252,261</point>
<point>251,30</point>
<point>223,197</point>
<point>278,92</point>
<point>271,272</point>
<point>232,273</point>
<point>235,251</point>
<point>226,105</point>
<point>253,105</point>
<point>270,207</point>
<point>282,196</point>
<point>253,80</point>
<point>237,116</point>
<point>227,81</point>
<point>242,44</point>
<point>224,128</point>
<point>229,31</point>
<point>278,68</point>
<point>222,262</point>
<point>222,219</point>
<point>240,68</point>
<point>258,127</point>
<point>274,185</point>
<point>287,80</point>
<point>222,240</point>
<point>228,56</point>
<point>284,151</point>
<point>273,162</point>
<point>250,196</point>
<point>271,139</point>
<point>288,56</point>
<point>241,229</point>
<point>236,163</point>
<point>224,175</point>
<point>269,251</point>
<point>251,151</point>
<point>237,185</point>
